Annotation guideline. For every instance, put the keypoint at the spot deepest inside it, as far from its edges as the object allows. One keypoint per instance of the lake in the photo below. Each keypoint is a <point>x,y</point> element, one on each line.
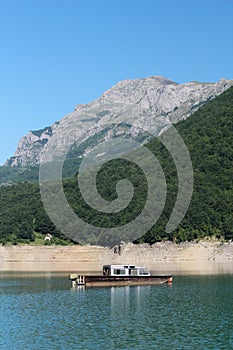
<point>44,312</point>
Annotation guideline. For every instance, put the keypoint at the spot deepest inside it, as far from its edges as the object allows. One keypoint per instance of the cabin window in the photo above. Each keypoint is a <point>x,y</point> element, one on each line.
<point>119,272</point>
<point>133,272</point>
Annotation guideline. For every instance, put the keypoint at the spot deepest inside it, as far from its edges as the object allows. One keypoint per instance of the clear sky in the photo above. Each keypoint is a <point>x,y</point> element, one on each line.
<point>56,54</point>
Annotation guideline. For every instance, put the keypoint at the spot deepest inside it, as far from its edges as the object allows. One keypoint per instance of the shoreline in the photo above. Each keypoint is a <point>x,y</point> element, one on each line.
<point>204,257</point>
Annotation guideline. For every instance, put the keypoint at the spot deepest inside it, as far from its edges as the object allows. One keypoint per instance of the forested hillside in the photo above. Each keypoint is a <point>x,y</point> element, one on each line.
<point>208,135</point>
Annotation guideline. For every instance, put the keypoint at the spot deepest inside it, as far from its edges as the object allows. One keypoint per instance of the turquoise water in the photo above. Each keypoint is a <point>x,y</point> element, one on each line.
<point>196,312</point>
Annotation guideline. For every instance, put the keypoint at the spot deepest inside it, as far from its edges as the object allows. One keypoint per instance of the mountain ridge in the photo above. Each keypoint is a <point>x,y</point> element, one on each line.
<point>149,104</point>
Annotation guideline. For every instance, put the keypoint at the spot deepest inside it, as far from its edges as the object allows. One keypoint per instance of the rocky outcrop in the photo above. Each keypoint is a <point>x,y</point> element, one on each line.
<point>149,104</point>
<point>30,147</point>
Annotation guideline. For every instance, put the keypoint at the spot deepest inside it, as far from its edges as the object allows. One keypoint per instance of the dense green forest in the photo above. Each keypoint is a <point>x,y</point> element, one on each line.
<point>208,135</point>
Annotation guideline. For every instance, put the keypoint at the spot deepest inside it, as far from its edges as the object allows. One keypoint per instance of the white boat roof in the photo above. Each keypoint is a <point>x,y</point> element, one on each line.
<point>126,266</point>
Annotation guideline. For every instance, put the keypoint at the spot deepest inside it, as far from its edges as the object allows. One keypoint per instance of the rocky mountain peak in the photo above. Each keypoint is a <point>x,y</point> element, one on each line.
<point>151,104</point>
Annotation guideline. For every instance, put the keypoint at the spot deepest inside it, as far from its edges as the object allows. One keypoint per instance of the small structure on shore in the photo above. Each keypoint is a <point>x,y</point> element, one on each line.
<point>48,237</point>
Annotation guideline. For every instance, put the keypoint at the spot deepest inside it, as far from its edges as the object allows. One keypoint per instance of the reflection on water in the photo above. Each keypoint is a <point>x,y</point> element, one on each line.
<point>121,297</point>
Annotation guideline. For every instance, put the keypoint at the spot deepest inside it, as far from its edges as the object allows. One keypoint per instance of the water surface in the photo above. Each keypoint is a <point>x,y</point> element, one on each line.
<point>44,312</point>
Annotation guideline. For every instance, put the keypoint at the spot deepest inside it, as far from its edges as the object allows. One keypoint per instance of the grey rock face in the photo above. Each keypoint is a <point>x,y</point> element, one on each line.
<point>149,104</point>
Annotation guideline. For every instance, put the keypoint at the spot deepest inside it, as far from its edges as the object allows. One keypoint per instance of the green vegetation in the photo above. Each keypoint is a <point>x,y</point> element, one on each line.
<point>22,216</point>
<point>10,175</point>
<point>208,135</point>
<point>47,130</point>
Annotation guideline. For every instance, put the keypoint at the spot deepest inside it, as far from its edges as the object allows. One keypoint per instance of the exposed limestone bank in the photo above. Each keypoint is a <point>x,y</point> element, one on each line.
<point>165,257</point>
<point>202,257</point>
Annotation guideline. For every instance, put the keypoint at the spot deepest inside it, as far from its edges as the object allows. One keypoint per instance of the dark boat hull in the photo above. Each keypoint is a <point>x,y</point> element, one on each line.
<point>106,281</point>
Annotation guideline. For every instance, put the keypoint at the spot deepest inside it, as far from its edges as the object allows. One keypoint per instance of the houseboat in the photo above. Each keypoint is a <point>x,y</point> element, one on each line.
<point>119,275</point>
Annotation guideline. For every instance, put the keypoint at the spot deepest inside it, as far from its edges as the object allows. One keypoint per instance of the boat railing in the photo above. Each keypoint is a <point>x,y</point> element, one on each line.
<point>81,280</point>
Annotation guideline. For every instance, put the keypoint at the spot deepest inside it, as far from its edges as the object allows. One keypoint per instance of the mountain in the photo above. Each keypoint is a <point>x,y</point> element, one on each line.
<point>208,134</point>
<point>139,108</point>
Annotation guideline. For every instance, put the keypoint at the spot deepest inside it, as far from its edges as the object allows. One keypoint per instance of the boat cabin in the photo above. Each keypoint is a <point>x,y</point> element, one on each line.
<point>125,270</point>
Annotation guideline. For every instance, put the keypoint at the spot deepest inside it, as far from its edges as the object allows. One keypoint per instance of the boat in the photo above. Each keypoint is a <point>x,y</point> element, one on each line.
<point>119,275</point>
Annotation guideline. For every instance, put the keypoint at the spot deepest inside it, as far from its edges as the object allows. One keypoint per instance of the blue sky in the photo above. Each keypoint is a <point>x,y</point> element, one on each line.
<point>56,54</point>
